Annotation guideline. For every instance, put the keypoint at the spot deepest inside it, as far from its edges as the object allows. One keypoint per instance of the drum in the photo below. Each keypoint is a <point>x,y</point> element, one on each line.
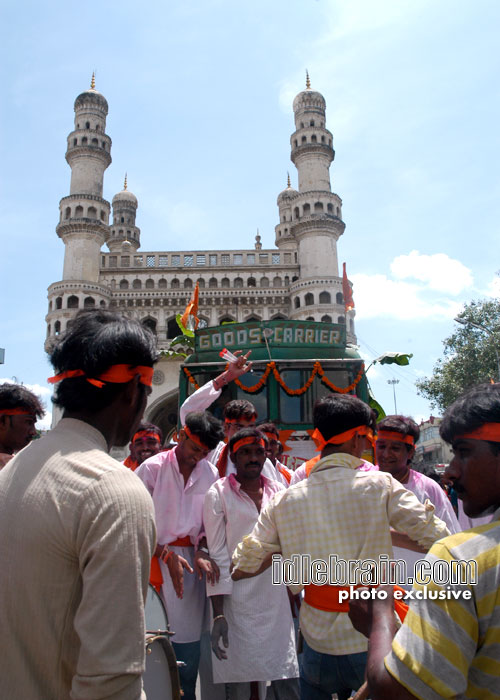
<point>161,677</point>
<point>155,613</point>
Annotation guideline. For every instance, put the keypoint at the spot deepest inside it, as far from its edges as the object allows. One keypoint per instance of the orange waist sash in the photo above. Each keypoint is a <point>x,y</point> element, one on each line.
<point>327,598</point>
<point>181,542</point>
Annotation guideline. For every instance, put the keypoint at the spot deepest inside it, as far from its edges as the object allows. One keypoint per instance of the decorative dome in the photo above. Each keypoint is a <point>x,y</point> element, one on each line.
<point>125,196</point>
<point>309,98</point>
<point>91,96</point>
<point>287,193</point>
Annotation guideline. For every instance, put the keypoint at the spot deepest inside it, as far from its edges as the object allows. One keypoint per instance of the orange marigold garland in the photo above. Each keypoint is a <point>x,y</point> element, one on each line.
<point>191,378</point>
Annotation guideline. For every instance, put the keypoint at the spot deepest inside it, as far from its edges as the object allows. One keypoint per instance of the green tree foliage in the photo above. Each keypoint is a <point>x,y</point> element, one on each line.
<point>469,355</point>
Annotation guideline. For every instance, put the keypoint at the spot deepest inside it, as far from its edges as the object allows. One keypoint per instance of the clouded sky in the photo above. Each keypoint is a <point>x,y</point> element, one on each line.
<point>200,96</point>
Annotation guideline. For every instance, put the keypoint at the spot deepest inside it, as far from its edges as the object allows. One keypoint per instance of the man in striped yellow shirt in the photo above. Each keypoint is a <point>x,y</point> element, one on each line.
<point>448,645</point>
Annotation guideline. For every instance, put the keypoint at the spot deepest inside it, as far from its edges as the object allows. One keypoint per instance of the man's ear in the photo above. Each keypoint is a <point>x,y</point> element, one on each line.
<point>411,454</point>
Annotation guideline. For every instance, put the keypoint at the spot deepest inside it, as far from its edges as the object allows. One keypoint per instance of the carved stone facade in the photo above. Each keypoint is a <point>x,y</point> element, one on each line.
<point>299,279</point>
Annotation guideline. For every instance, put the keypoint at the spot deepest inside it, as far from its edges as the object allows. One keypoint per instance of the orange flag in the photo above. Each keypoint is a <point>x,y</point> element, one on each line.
<point>347,292</point>
<point>192,310</point>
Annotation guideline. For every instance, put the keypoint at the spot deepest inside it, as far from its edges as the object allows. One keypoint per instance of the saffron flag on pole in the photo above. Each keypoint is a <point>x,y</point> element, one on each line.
<point>347,291</point>
<point>189,318</point>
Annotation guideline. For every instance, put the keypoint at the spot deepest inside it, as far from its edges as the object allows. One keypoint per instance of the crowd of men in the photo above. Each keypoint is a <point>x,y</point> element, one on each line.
<point>203,519</point>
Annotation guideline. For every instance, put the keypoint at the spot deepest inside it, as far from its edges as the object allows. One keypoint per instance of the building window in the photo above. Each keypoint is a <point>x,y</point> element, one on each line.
<point>339,298</point>
<point>264,282</point>
<point>296,302</point>
<point>309,299</point>
<point>88,303</point>
<point>212,259</point>
<point>263,258</point>
<point>138,260</point>
<point>163,260</point>
<point>162,284</point>
<point>59,303</point>
<point>326,319</point>
<point>324,298</point>
<point>225,259</point>
<point>237,259</point>
<point>275,258</point>
<point>72,302</point>
<point>200,259</point>
<point>341,319</point>
<point>288,258</point>
<point>225,282</point>
<point>212,283</point>
<point>137,284</point>
<point>150,260</point>
<point>150,284</point>
<point>112,261</point>
<point>176,260</point>
<point>251,282</point>
<point>188,283</point>
<point>250,258</point>
<point>188,260</point>
<point>125,262</point>
<point>238,282</point>
<point>123,284</point>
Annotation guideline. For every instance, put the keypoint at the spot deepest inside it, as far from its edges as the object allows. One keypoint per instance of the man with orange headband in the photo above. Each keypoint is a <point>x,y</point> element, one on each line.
<point>77,528</point>
<point>252,617</point>
<point>178,481</point>
<point>394,451</point>
<point>448,646</point>
<point>19,411</point>
<point>145,443</point>
<point>237,414</point>
<point>282,474</point>
<point>338,510</point>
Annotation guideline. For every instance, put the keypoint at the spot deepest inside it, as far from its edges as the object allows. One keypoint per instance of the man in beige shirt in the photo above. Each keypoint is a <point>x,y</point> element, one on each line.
<point>77,527</point>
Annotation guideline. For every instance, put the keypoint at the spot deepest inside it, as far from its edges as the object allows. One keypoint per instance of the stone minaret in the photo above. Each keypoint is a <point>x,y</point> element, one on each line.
<point>123,227</point>
<point>311,218</point>
<point>84,214</point>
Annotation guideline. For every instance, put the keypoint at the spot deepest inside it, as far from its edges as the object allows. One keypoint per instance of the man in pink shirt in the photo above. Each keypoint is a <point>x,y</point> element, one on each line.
<point>178,481</point>
<point>394,451</point>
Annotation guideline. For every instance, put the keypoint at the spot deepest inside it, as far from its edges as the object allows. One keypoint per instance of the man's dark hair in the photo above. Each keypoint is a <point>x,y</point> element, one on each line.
<point>247,432</point>
<point>93,342</point>
<point>205,426</point>
<point>269,428</point>
<point>240,408</point>
<point>401,424</point>
<point>478,406</point>
<point>152,428</point>
<point>17,396</point>
<point>336,413</point>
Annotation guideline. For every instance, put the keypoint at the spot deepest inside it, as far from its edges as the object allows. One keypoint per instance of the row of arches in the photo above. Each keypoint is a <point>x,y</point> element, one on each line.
<point>316,208</point>
<point>312,123</point>
<point>213,283</point>
<point>324,298</point>
<point>312,139</point>
<point>73,302</point>
<point>80,212</point>
<point>84,141</point>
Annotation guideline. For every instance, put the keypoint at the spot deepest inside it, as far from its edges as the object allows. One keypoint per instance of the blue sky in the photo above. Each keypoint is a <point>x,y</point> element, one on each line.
<point>200,96</point>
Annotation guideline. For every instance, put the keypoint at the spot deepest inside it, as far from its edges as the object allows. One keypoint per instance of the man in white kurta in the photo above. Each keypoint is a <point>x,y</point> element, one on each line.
<point>237,415</point>
<point>260,625</point>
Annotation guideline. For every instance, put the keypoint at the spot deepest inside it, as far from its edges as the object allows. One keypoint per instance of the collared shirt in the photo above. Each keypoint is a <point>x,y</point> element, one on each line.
<point>76,537</point>
<point>260,626</point>
<point>448,648</point>
<point>343,511</point>
<point>301,472</point>
<point>178,505</point>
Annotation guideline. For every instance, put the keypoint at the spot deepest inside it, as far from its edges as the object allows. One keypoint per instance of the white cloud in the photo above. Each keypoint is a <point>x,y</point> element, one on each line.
<point>377,295</point>
<point>493,289</point>
<point>438,271</point>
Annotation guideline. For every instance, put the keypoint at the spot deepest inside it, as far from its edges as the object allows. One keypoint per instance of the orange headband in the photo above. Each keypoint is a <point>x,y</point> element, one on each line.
<point>247,441</point>
<point>271,436</point>
<point>146,434</point>
<point>488,431</point>
<point>195,439</point>
<point>395,437</point>
<point>237,420</point>
<point>341,437</point>
<point>16,412</point>
<point>116,374</point>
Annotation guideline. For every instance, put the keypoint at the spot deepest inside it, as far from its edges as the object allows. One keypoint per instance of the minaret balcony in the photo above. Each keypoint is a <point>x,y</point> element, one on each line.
<point>86,150</point>
<point>311,149</point>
